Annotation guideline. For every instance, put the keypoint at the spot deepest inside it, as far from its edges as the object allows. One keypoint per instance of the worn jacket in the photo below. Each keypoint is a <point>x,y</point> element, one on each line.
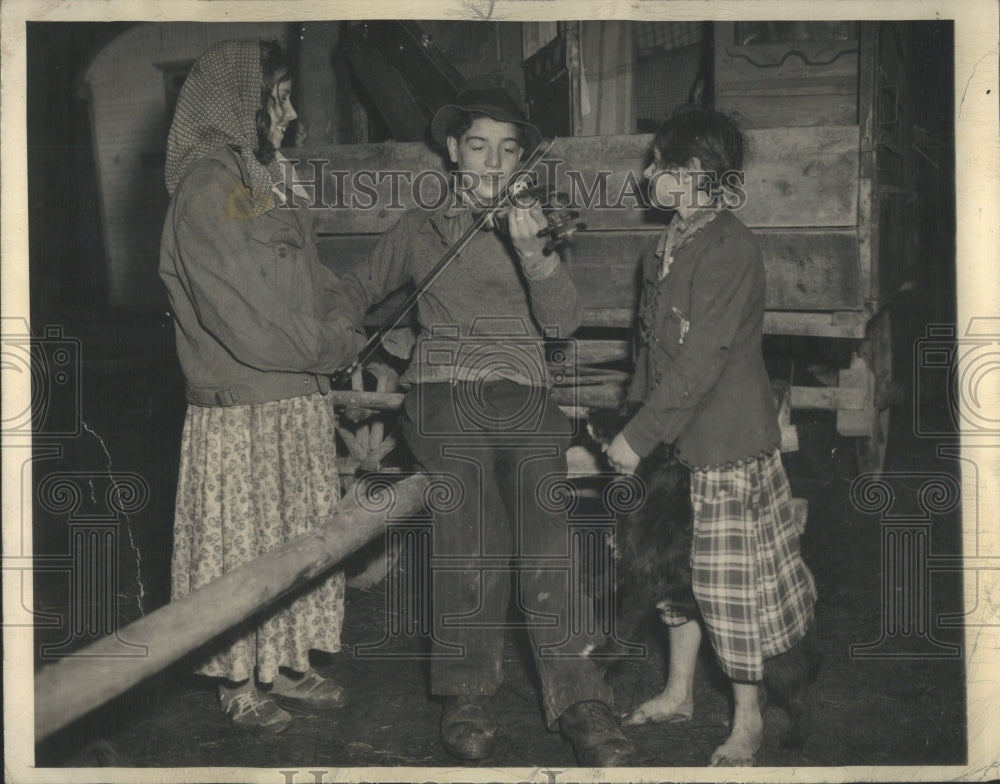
<point>482,318</point>
<point>254,309</point>
<point>700,372</point>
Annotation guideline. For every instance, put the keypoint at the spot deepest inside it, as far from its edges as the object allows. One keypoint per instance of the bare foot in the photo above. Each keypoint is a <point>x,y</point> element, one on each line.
<point>665,708</point>
<point>740,747</point>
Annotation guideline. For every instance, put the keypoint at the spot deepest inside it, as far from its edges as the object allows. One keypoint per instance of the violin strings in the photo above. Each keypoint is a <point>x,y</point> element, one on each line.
<point>394,319</point>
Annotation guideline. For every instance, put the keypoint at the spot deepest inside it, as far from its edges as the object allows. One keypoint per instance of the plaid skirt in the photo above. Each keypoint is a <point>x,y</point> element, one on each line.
<point>253,477</point>
<point>755,593</point>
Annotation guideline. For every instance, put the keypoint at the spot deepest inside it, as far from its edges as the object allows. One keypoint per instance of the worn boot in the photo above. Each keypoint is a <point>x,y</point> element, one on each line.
<point>595,735</point>
<point>467,730</point>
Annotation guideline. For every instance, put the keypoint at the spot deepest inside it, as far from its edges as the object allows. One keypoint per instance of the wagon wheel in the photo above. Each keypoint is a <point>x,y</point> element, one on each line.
<point>876,352</point>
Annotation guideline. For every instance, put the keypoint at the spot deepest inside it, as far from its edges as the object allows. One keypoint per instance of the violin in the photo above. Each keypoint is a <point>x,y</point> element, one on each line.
<point>557,209</point>
<point>557,232</point>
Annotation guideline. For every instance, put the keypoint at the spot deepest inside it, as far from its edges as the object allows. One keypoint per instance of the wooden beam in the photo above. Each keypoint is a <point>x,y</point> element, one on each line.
<point>838,324</point>
<point>807,269</point>
<point>606,395</point>
<point>320,96</point>
<point>815,269</point>
<point>830,398</point>
<point>594,352</point>
<point>68,689</point>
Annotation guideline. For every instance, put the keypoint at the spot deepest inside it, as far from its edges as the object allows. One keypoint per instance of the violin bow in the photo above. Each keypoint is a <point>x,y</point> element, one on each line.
<point>396,317</point>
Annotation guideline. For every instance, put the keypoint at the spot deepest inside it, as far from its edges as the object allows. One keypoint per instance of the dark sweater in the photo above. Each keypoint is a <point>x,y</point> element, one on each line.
<point>482,318</point>
<point>705,386</point>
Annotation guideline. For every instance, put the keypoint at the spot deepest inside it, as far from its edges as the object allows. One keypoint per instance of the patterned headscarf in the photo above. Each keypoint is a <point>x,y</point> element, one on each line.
<point>217,106</point>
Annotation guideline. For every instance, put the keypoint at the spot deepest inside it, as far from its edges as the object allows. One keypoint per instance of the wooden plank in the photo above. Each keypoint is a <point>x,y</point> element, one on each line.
<point>806,270</point>
<point>830,398</point>
<point>868,226</point>
<point>837,324</point>
<point>802,177</point>
<point>792,110</point>
<point>811,270</point>
<point>71,687</point>
<point>364,188</point>
<point>606,395</point>
<point>796,177</point>
<point>801,60</point>
<point>840,324</point>
<point>795,84</point>
<point>595,352</point>
<point>609,317</point>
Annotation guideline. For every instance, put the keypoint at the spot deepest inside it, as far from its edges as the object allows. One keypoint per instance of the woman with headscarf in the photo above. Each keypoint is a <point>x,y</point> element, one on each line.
<point>257,336</point>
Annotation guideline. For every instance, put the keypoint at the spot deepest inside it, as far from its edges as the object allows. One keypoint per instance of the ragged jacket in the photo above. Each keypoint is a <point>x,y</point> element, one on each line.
<point>254,309</point>
<point>700,372</point>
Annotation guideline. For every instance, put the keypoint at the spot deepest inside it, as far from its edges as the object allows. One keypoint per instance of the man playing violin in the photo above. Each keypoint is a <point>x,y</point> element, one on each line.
<point>479,418</point>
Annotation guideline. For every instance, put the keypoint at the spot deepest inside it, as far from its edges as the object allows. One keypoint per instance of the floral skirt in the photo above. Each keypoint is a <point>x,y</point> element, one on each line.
<point>253,477</point>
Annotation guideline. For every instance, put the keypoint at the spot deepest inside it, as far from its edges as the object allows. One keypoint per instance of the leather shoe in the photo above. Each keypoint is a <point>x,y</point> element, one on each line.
<point>311,691</point>
<point>595,735</point>
<point>466,728</point>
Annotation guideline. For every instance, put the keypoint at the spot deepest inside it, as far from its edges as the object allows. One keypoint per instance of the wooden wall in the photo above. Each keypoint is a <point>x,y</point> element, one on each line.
<point>795,83</point>
<point>127,90</point>
<point>802,202</point>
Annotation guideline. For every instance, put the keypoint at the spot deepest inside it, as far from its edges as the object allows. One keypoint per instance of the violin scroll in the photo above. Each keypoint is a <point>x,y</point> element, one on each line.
<point>560,229</point>
<point>555,205</point>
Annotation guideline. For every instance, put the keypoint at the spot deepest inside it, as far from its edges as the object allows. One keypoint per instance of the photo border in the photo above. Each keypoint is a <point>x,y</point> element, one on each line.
<point>977,131</point>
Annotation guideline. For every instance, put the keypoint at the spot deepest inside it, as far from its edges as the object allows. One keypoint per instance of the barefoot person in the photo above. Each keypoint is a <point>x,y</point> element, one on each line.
<point>703,386</point>
<point>256,338</point>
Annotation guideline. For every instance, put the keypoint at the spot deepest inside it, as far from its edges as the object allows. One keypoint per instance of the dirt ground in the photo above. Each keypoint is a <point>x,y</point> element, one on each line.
<point>893,707</point>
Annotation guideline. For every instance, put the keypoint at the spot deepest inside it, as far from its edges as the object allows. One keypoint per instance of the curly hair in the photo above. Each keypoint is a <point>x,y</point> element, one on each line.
<point>274,68</point>
<point>710,136</point>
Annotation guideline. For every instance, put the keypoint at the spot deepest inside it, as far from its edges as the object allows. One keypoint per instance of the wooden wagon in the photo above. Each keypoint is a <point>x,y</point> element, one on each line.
<point>832,180</point>
<point>830,195</point>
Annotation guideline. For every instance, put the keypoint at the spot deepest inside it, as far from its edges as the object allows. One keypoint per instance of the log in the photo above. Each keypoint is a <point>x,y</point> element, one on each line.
<point>68,689</point>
